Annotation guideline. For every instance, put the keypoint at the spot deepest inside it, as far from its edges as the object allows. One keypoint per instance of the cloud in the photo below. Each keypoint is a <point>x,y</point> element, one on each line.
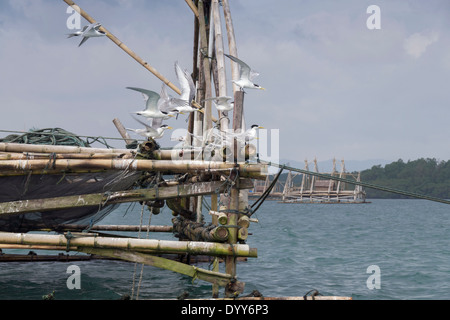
<point>416,44</point>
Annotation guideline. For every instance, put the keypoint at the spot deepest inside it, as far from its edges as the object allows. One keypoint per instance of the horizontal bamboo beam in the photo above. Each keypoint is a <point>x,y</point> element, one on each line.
<point>156,246</point>
<point>36,156</point>
<point>175,166</point>
<point>120,228</point>
<point>97,199</point>
<point>221,279</point>
<point>40,148</point>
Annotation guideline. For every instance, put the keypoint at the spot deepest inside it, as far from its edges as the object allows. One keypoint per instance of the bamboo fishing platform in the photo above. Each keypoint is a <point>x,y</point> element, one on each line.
<point>312,189</point>
<point>54,195</point>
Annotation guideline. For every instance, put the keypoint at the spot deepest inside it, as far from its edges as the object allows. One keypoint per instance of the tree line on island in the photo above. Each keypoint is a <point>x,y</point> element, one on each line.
<point>428,176</point>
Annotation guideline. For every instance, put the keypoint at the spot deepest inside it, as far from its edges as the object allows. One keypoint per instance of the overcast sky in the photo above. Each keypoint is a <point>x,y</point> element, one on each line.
<point>335,88</point>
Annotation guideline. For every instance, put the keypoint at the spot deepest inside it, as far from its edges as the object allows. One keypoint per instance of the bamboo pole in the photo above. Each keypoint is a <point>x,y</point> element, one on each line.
<point>121,45</point>
<point>207,122</point>
<point>99,199</point>
<point>193,7</point>
<point>118,228</point>
<point>157,246</point>
<point>159,262</point>
<point>220,60</point>
<point>35,156</point>
<point>123,132</point>
<point>132,54</point>
<point>127,164</point>
<point>39,148</point>
<point>231,41</point>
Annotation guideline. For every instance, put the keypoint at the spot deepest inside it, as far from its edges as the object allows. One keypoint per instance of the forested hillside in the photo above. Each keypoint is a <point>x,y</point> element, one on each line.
<point>425,176</point>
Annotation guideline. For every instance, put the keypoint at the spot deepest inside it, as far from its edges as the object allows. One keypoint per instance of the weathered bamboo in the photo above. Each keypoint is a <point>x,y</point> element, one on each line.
<point>35,156</point>
<point>99,199</point>
<point>119,228</point>
<point>207,122</point>
<point>157,246</point>
<point>187,229</point>
<point>220,217</point>
<point>191,271</point>
<point>242,233</point>
<point>20,147</point>
<point>193,7</point>
<point>127,164</point>
<point>231,41</point>
<point>132,54</point>
<point>123,132</point>
<point>223,120</point>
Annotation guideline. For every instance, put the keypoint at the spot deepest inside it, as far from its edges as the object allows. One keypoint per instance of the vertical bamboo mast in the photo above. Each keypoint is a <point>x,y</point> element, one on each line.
<point>220,60</point>
<point>207,120</point>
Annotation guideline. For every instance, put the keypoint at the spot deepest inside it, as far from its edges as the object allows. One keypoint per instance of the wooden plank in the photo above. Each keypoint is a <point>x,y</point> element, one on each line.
<point>98,199</point>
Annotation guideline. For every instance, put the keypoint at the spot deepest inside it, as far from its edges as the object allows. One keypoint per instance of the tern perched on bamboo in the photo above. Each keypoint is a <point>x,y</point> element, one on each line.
<point>222,103</point>
<point>246,75</point>
<point>183,103</point>
<point>156,131</point>
<point>155,104</point>
<point>89,31</point>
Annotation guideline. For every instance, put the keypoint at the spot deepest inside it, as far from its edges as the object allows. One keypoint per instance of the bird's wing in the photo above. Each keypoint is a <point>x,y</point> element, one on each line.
<point>191,85</point>
<point>156,123</point>
<point>244,69</point>
<point>151,98</point>
<point>164,104</point>
<point>184,82</point>
<point>83,41</point>
<point>143,123</point>
<point>84,28</point>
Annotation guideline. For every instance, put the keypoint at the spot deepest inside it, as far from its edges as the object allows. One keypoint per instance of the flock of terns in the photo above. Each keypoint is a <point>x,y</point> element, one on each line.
<point>162,106</point>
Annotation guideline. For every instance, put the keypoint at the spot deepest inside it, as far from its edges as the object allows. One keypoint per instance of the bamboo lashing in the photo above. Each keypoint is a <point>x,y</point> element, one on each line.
<point>132,54</point>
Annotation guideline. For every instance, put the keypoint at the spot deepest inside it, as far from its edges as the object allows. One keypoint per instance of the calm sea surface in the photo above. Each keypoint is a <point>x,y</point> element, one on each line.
<point>300,247</point>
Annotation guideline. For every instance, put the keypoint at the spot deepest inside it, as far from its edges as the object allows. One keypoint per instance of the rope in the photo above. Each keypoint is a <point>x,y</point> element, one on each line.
<point>266,193</point>
<point>54,136</point>
<point>360,183</point>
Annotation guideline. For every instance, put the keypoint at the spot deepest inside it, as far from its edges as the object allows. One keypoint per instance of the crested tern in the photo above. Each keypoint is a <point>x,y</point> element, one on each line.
<point>222,103</point>
<point>156,131</point>
<point>183,103</point>
<point>153,104</point>
<point>89,31</point>
<point>246,75</point>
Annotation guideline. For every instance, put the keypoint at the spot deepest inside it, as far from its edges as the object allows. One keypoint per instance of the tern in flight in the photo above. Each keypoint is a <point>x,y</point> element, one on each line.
<point>89,31</point>
<point>246,75</point>
<point>183,103</point>
<point>222,103</point>
<point>156,131</point>
<point>155,104</point>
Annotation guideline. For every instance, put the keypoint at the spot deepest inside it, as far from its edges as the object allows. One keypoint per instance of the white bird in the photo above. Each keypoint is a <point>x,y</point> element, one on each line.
<point>222,103</point>
<point>246,136</point>
<point>246,75</point>
<point>89,31</point>
<point>183,103</point>
<point>153,104</point>
<point>156,131</point>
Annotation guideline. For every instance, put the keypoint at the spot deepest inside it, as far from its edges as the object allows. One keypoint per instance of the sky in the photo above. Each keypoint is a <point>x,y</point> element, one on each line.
<point>335,88</point>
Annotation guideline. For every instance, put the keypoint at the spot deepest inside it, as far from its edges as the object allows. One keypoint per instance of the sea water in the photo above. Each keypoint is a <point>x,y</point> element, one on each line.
<point>332,248</point>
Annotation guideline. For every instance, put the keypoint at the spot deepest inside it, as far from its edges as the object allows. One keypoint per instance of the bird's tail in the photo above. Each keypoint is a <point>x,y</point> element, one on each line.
<point>70,35</point>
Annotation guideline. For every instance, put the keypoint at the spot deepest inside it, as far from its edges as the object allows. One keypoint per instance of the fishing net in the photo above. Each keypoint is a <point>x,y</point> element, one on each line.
<point>29,186</point>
